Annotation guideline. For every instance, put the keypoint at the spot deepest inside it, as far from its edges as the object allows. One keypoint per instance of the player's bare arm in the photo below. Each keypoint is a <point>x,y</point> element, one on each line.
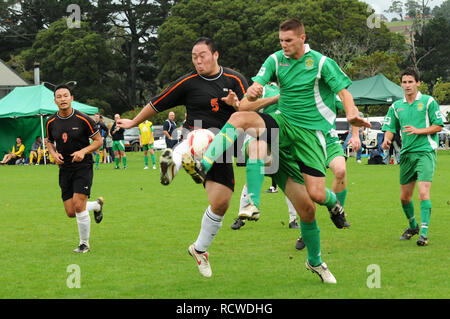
<point>246,105</point>
<point>254,91</point>
<point>232,99</point>
<point>421,131</point>
<point>59,159</point>
<point>354,140</point>
<point>351,111</point>
<point>388,136</point>
<point>97,142</point>
<point>143,115</point>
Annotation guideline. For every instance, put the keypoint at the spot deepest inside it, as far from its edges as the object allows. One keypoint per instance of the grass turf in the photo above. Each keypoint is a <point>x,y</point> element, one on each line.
<point>140,248</point>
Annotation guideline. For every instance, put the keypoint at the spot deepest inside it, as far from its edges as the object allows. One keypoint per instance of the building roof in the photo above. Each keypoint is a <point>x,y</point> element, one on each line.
<point>9,77</point>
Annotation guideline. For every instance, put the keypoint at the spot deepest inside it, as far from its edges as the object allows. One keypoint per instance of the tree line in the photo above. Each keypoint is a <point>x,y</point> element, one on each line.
<point>122,52</point>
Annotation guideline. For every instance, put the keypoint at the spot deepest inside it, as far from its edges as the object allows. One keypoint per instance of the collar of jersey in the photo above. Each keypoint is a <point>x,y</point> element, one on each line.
<point>65,118</point>
<point>214,77</point>
<point>418,97</point>
<point>307,50</point>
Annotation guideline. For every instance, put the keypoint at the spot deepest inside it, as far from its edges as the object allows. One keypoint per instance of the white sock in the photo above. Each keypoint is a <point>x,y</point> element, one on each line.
<point>211,224</point>
<point>93,206</point>
<point>84,226</point>
<point>292,211</point>
<point>244,196</point>
<point>177,155</point>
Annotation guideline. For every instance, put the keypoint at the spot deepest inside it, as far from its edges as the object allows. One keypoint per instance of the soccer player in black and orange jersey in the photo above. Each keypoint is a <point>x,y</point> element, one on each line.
<point>211,94</point>
<point>71,130</point>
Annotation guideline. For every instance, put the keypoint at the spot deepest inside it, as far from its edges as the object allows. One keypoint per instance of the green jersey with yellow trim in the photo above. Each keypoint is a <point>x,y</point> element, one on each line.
<point>308,87</point>
<point>422,113</point>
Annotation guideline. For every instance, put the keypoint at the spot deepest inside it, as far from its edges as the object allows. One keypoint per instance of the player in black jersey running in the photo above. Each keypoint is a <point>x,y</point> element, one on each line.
<point>71,130</point>
<point>211,94</point>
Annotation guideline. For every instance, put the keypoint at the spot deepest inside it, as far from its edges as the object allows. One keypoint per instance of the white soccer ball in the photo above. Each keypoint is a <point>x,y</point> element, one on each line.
<point>198,141</point>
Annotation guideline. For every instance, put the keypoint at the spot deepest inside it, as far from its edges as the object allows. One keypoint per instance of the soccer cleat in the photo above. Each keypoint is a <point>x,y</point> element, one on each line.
<point>338,216</point>
<point>202,261</point>
<point>166,166</point>
<point>154,166</point>
<point>117,167</point>
<point>82,249</point>
<point>409,233</point>
<point>422,241</point>
<point>272,190</point>
<point>124,167</point>
<point>294,224</point>
<point>249,212</point>
<point>323,272</point>
<point>238,223</point>
<point>194,168</point>
<point>300,244</point>
<point>98,215</point>
<point>146,167</point>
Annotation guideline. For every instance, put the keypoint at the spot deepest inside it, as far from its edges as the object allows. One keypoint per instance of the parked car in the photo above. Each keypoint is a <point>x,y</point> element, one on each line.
<point>131,137</point>
<point>159,144</point>
<point>342,128</point>
<point>444,136</point>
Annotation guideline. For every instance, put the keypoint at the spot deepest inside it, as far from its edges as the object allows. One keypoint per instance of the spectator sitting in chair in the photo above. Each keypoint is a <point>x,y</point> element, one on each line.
<point>37,152</point>
<point>16,153</point>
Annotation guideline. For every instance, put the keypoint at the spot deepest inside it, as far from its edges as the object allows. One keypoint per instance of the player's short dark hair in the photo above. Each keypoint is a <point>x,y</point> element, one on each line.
<point>208,41</point>
<point>412,72</point>
<point>292,24</point>
<point>61,86</point>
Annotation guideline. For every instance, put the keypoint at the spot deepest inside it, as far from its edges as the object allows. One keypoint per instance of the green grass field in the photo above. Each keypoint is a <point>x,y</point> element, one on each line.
<point>140,248</point>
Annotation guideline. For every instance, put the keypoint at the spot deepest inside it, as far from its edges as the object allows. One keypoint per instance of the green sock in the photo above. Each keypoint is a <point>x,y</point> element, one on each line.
<point>220,143</point>
<point>330,199</point>
<point>425,212</point>
<point>146,160</point>
<point>341,196</point>
<point>255,177</point>
<point>116,160</point>
<point>124,159</point>
<point>409,212</point>
<point>311,237</point>
<point>153,159</point>
<point>97,159</point>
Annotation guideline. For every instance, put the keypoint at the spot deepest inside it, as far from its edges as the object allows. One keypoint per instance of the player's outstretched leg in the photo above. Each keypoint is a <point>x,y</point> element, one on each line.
<point>323,272</point>
<point>166,166</point>
<point>194,168</point>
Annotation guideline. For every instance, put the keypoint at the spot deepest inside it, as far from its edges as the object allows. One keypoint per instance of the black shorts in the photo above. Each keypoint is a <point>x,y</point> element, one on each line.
<point>75,181</point>
<point>222,173</point>
<point>271,132</point>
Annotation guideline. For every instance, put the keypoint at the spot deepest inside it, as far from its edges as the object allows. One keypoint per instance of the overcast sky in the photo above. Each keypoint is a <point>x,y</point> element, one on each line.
<point>381,5</point>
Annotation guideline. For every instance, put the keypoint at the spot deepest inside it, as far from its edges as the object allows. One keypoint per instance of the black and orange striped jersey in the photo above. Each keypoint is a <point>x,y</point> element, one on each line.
<point>202,97</point>
<point>71,134</point>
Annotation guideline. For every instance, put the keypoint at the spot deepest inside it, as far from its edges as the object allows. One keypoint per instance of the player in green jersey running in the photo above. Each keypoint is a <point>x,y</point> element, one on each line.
<point>418,117</point>
<point>308,83</point>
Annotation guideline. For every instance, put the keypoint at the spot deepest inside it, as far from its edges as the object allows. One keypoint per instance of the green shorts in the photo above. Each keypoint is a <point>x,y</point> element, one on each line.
<point>418,166</point>
<point>288,167</point>
<point>147,147</point>
<point>118,146</point>
<point>334,148</point>
<point>306,146</point>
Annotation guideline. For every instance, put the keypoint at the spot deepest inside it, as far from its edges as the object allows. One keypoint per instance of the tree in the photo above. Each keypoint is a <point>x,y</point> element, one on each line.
<point>378,62</point>
<point>140,22</point>
<point>72,54</point>
<point>396,8</point>
<point>247,31</point>
<point>441,92</point>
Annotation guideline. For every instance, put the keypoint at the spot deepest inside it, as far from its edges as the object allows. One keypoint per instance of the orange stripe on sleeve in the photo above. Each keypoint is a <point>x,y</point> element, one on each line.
<point>174,87</point>
<point>48,124</point>
<point>238,79</point>
<point>86,122</point>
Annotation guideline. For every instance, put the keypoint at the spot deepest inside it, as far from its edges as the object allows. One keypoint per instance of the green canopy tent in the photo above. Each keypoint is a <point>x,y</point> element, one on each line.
<point>375,90</point>
<point>22,114</point>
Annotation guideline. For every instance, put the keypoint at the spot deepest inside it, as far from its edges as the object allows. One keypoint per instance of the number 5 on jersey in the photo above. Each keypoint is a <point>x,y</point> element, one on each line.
<point>215,105</point>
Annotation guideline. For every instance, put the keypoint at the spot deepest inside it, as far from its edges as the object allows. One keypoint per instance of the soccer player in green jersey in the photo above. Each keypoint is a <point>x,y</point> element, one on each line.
<point>418,117</point>
<point>308,83</point>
